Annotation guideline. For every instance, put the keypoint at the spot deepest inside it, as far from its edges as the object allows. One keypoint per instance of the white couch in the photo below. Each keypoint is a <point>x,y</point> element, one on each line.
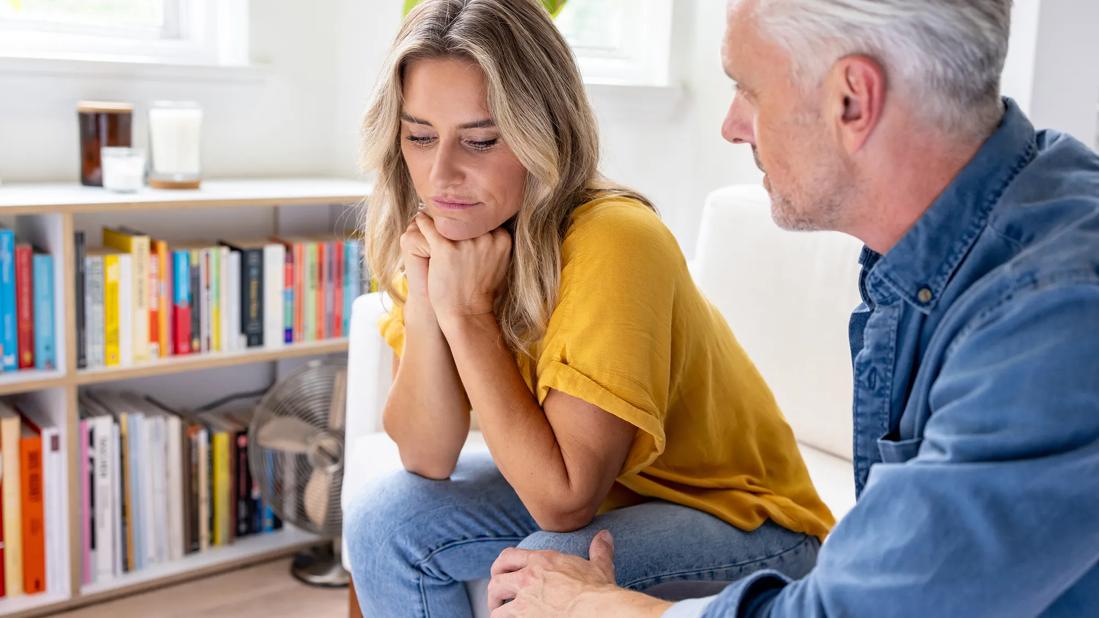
<point>787,296</point>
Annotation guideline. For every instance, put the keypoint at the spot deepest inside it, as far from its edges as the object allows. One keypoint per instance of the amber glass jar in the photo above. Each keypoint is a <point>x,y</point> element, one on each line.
<point>102,123</point>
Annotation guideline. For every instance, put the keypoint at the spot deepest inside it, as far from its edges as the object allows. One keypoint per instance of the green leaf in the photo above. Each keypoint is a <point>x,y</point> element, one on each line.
<point>553,6</point>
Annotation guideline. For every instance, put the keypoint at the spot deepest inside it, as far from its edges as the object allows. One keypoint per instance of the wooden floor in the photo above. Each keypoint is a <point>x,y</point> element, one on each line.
<point>262,591</point>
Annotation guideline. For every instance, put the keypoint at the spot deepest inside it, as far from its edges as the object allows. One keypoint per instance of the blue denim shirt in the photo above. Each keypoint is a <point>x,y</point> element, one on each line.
<point>976,406</point>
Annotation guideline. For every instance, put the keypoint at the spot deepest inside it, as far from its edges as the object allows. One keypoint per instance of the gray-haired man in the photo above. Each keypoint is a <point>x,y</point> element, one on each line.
<point>976,347</point>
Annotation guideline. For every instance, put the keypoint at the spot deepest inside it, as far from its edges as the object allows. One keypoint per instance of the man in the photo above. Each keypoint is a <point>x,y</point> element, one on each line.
<point>976,350</point>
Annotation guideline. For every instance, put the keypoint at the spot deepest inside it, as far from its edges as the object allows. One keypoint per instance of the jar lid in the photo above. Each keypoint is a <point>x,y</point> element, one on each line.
<point>106,107</point>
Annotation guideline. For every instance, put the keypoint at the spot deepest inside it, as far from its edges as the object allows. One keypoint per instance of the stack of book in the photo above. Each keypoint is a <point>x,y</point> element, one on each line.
<point>32,552</point>
<point>141,299</point>
<point>26,306</point>
<point>157,484</point>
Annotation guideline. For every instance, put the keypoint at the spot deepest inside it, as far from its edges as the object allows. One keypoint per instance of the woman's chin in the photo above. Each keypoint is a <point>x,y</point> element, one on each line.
<point>458,230</point>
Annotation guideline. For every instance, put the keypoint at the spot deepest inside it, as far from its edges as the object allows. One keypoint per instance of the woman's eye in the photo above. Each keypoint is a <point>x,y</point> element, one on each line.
<point>482,144</point>
<point>420,140</point>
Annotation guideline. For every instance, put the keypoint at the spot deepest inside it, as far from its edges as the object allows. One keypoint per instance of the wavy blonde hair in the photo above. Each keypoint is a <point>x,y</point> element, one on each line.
<point>537,99</point>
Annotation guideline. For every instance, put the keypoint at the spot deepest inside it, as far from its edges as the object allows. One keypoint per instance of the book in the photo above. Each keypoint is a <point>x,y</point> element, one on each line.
<point>86,470</point>
<point>164,297</point>
<point>54,491</point>
<point>137,246</point>
<point>181,302</point>
<point>288,295</point>
<point>45,353</point>
<point>252,296</point>
<point>9,338</point>
<point>24,304</point>
<point>274,275</point>
<point>94,297</point>
<point>215,299</point>
<point>80,272</point>
<point>126,317</point>
<point>34,516</point>
<point>10,434</point>
<point>112,284</point>
<point>103,493</point>
<point>236,334</point>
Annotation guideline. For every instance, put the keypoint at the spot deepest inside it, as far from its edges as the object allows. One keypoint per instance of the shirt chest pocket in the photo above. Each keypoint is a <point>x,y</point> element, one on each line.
<point>898,451</point>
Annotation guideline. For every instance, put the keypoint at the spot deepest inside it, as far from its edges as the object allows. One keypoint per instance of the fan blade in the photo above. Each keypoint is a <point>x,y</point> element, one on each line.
<point>285,433</point>
<point>316,498</point>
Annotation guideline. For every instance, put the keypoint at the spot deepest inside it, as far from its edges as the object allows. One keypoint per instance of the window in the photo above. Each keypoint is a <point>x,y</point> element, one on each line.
<point>207,32</point>
<point>623,42</point>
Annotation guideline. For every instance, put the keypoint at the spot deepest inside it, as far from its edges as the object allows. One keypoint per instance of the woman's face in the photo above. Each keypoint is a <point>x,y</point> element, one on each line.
<point>468,179</point>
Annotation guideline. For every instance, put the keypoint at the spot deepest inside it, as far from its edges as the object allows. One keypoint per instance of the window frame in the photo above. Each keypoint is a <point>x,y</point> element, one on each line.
<point>643,58</point>
<point>196,32</point>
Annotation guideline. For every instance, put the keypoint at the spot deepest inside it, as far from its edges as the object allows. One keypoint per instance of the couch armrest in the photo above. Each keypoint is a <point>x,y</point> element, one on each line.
<point>369,368</point>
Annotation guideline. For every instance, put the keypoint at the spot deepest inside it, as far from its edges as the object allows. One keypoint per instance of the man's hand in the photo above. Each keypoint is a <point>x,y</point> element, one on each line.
<point>551,584</point>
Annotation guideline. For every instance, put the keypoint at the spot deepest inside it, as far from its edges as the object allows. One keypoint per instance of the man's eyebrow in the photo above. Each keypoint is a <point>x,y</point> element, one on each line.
<point>487,123</point>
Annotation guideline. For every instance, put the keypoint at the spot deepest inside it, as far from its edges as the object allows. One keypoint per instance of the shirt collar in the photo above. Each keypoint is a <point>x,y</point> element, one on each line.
<point>919,266</point>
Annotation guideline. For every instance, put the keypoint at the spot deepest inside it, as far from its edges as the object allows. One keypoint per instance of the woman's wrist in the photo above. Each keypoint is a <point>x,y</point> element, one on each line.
<point>419,314</point>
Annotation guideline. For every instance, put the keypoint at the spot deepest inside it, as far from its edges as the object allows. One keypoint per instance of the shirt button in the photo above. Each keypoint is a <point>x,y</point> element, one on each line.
<point>924,296</point>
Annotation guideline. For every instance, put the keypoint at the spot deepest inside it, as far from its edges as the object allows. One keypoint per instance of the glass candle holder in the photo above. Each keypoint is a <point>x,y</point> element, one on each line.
<point>174,131</point>
<point>102,123</point>
<point>123,169</point>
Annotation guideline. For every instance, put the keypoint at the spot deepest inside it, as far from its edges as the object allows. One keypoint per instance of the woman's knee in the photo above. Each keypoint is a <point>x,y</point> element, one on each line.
<point>379,513</point>
<point>575,543</point>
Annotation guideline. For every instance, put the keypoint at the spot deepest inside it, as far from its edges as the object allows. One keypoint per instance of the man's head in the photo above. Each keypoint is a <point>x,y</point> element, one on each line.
<point>830,92</point>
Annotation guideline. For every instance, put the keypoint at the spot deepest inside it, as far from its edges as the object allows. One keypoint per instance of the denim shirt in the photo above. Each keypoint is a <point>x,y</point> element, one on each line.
<point>976,405</point>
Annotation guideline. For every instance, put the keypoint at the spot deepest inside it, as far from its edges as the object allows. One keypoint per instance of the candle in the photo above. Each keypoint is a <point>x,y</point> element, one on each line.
<point>174,129</point>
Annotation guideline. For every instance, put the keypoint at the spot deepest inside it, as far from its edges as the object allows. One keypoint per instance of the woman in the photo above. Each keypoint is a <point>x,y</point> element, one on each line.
<point>556,305</point>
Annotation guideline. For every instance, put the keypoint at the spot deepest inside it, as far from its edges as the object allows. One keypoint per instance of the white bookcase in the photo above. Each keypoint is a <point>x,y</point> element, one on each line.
<point>48,215</point>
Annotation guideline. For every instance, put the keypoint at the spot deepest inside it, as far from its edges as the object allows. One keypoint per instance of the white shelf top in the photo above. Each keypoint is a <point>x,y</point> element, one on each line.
<point>20,198</point>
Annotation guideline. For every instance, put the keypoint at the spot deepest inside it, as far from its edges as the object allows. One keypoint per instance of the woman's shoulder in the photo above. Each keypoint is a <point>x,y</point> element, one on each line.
<point>614,223</point>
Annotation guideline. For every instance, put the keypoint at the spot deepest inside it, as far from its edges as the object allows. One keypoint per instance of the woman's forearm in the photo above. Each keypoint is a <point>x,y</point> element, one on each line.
<point>427,412</point>
<point>521,439</point>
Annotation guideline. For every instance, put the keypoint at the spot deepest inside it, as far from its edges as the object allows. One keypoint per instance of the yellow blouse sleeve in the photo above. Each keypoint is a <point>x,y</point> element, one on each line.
<point>392,324</point>
<point>609,340</point>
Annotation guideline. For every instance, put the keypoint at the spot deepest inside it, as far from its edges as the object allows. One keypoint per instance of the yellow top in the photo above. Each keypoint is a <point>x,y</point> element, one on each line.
<point>633,335</point>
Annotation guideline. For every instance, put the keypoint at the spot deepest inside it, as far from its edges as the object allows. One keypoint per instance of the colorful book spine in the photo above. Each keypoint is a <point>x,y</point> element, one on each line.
<point>24,303</point>
<point>45,352</point>
<point>299,291</point>
<point>9,339</point>
<point>311,276</point>
<point>352,276</point>
<point>288,295</point>
<point>251,295</point>
<point>153,289</point>
<point>181,302</point>
<point>34,515</point>
<point>112,278</point>
<point>215,299</point>
<point>164,290</point>
<point>137,246</point>
<point>219,446</point>
<point>196,301</point>
<point>81,300</point>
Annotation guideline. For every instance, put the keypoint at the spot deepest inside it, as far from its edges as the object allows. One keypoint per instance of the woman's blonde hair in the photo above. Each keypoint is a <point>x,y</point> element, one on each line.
<point>537,99</point>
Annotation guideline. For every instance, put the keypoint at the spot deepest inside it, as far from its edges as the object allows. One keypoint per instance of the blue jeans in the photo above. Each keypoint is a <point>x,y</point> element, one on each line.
<point>413,542</point>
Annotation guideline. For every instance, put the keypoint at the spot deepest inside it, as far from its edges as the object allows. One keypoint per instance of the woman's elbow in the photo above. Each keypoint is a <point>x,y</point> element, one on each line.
<point>558,519</point>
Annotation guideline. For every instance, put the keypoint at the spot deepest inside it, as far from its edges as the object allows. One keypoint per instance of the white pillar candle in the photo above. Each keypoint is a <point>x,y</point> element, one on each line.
<point>174,130</point>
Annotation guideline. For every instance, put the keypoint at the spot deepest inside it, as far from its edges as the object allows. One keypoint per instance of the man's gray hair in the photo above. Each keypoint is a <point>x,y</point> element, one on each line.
<point>946,54</point>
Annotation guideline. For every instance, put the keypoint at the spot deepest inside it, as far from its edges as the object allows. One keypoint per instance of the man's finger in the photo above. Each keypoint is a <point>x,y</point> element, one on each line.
<point>502,588</point>
<point>511,559</point>
<point>601,551</point>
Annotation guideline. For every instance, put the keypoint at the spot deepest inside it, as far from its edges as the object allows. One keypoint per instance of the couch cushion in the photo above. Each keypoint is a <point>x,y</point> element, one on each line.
<point>788,297</point>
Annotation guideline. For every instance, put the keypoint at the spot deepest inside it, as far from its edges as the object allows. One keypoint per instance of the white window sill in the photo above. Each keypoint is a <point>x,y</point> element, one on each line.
<point>130,69</point>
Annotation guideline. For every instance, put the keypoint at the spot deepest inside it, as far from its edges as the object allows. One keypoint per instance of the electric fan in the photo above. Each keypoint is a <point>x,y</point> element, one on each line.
<point>296,435</point>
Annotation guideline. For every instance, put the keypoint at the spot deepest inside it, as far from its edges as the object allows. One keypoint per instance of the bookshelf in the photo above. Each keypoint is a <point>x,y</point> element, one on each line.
<point>48,214</point>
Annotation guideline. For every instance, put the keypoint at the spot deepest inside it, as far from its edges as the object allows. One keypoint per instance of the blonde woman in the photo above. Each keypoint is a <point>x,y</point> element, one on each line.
<point>556,305</point>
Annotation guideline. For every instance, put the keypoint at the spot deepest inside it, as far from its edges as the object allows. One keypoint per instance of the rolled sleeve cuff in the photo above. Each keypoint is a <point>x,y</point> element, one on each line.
<point>691,608</point>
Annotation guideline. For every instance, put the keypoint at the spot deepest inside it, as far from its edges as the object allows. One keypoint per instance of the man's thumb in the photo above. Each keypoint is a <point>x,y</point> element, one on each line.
<point>601,551</point>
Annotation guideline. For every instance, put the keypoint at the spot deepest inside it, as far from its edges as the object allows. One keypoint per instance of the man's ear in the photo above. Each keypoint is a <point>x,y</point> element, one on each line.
<point>857,91</point>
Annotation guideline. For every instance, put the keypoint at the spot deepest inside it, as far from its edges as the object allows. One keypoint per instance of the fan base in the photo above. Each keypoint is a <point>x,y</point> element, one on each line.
<point>320,566</point>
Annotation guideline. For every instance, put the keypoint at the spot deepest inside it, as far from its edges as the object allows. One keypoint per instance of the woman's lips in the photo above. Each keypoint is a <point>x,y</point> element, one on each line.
<point>446,204</point>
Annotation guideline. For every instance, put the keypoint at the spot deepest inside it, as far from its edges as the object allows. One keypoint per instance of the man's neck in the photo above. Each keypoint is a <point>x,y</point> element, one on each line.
<point>903,183</point>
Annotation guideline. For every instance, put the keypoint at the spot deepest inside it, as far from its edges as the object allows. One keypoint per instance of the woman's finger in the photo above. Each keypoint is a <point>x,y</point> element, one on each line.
<point>427,228</point>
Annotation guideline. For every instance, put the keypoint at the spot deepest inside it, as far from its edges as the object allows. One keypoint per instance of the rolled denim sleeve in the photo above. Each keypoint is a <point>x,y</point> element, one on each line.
<point>996,514</point>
